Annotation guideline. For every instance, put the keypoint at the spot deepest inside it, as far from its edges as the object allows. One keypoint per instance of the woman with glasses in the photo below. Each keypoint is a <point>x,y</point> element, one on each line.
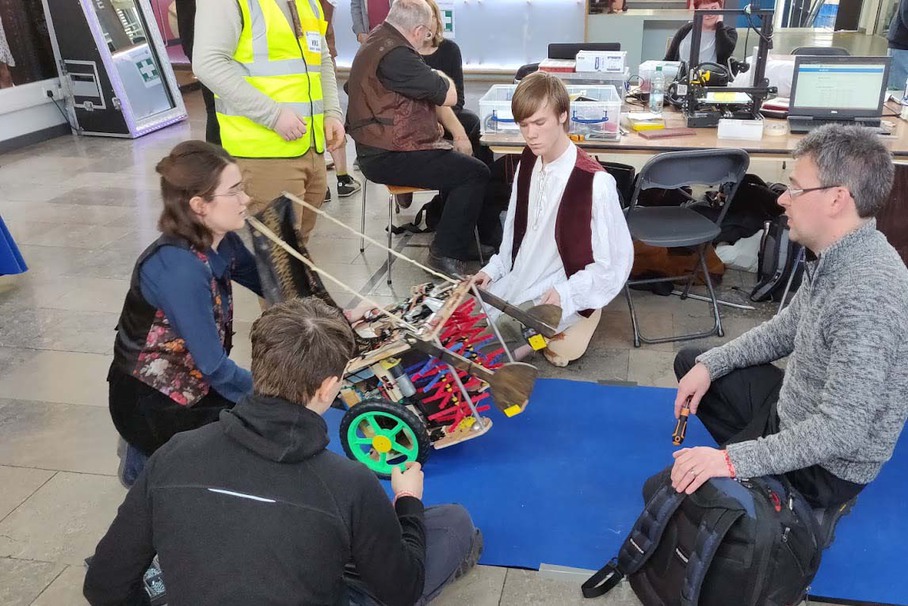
<point>171,370</point>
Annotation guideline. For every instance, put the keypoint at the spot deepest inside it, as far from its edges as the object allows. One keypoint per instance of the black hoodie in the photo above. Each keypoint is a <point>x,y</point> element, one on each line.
<point>253,510</point>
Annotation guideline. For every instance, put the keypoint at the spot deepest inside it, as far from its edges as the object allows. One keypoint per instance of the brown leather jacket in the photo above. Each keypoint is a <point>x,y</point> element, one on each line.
<point>382,118</point>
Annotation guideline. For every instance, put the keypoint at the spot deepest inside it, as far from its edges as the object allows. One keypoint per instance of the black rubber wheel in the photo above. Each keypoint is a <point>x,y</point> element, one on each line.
<point>380,434</point>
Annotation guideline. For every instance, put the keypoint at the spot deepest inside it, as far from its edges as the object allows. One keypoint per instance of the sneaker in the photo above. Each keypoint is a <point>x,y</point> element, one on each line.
<point>153,582</point>
<point>829,518</point>
<point>347,186</point>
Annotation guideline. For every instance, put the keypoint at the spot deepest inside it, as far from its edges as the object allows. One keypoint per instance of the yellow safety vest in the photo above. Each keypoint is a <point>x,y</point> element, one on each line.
<point>284,67</point>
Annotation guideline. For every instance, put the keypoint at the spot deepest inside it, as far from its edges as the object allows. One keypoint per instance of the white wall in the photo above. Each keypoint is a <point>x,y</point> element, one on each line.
<point>493,35</point>
<point>26,109</point>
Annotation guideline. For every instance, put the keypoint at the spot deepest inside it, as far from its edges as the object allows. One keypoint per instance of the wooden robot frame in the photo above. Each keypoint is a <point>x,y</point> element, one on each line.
<point>427,365</point>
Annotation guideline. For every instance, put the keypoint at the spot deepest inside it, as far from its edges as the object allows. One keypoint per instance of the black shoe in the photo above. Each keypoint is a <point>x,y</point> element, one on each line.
<point>347,186</point>
<point>327,197</point>
<point>447,265</point>
<point>829,518</point>
<point>484,253</point>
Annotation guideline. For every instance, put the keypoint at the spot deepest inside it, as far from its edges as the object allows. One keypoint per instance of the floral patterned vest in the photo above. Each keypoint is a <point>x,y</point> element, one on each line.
<point>148,348</point>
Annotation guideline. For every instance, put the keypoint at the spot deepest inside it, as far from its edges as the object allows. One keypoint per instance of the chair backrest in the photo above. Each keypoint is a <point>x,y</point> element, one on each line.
<point>671,170</point>
<point>820,50</point>
<point>569,50</point>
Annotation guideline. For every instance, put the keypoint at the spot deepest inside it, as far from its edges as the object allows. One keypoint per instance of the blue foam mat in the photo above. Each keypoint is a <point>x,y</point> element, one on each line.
<point>561,484</point>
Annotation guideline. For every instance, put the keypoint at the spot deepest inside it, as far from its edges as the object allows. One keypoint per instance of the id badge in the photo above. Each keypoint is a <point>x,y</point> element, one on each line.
<point>314,42</point>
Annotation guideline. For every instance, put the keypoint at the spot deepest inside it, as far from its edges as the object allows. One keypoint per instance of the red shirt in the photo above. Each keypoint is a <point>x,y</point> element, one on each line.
<point>377,11</point>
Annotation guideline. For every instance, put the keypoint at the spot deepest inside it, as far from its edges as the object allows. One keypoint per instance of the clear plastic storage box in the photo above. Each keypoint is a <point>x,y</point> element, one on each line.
<point>595,116</point>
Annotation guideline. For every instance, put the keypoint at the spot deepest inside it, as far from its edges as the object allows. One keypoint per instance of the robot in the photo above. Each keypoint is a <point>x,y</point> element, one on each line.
<point>427,367</point>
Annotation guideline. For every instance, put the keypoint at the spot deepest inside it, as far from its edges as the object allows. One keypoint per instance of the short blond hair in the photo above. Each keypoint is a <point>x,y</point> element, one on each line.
<point>536,91</point>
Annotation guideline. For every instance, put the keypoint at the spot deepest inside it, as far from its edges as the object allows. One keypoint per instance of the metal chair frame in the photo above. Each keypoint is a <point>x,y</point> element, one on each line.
<point>672,170</point>
<point>393,208</point>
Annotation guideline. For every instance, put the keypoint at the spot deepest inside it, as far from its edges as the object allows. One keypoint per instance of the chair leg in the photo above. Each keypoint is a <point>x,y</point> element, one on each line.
<point>717,324</point>
<point>362,221</point>
<point>717,327</point>
<point>630,305</point>
<point>482,260</point>
<point>391,204</point>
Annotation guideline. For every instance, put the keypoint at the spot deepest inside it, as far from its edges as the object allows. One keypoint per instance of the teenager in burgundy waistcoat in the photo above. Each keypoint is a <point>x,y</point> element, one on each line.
<point>171,371</point>
<point>566,241</point>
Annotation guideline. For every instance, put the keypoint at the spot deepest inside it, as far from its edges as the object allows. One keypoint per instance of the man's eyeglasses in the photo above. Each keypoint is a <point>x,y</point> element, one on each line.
<point>794,192</point>
<point>429,33</point>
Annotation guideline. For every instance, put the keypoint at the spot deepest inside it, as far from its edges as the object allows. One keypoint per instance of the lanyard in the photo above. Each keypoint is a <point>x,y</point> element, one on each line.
<point>295,18</point>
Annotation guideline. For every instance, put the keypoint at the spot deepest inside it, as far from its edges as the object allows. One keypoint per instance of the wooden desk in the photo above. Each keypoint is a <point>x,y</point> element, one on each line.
<point>770,157</point>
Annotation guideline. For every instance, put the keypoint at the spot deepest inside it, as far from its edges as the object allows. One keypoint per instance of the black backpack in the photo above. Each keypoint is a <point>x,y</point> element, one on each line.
<point>742,542</point>
<point>779,260</point>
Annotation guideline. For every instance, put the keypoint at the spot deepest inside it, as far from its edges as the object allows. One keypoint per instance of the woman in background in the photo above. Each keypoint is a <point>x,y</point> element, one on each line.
<point>171,371</point>
<point>717,42</point>
<point>444,55</point>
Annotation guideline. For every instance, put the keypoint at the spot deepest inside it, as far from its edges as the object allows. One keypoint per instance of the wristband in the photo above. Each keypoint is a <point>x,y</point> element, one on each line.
<point>403,493</point>
<point>731,467</point>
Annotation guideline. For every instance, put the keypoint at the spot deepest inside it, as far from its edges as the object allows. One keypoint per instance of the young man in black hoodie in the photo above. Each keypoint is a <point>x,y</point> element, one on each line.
<point>253,510</point>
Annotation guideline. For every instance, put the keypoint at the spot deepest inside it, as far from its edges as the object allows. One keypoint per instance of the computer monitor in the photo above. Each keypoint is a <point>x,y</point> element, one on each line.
<point>838,88</point>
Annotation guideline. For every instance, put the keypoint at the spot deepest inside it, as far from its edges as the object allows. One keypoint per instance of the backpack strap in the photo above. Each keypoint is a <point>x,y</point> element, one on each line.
<point>713,528</point>
<point>640,543</point>
<point>414,226</point>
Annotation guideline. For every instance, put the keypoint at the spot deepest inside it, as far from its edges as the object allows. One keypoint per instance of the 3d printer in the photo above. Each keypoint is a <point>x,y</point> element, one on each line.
<point>702,91</point>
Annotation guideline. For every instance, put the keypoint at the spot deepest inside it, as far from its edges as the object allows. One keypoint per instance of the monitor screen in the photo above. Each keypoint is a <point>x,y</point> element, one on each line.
<point>840,85</point>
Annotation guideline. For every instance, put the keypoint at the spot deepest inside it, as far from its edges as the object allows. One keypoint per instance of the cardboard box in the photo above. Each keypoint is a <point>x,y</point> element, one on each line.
<point>749,130</point>
<point>601,61</point>
<point>557,65</point>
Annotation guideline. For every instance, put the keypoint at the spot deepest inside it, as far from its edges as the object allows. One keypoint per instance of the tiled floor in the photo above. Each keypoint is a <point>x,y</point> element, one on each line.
<point>81,210</point>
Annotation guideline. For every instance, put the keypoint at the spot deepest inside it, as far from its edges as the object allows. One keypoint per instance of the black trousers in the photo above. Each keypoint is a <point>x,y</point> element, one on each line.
<point>146,418</point>
<point>472,126</point>
<point>742,406</point>
<point>461,179</point>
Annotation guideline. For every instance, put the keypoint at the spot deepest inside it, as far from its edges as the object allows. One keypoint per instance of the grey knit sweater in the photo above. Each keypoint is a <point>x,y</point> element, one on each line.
<point>844,398</point>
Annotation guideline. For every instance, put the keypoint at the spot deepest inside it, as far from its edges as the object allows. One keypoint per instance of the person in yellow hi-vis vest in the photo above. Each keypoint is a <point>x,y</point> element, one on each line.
<point>267,62</point>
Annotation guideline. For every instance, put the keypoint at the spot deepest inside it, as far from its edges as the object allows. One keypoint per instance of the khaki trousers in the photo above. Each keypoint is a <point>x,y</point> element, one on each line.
<point>305,177</point>
<point>564,347</point>
<point>569,345</point>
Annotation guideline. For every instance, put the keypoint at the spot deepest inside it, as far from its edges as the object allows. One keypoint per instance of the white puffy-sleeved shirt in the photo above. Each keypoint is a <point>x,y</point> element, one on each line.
<point>538,265</point>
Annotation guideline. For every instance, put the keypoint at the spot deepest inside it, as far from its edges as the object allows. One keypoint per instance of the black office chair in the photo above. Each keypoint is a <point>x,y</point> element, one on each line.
<point>821,50</point>
<point>680,227</point>
<point>569,50</point>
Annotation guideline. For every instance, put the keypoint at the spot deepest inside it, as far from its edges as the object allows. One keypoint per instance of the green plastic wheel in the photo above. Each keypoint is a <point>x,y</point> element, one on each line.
<point>381,435</point>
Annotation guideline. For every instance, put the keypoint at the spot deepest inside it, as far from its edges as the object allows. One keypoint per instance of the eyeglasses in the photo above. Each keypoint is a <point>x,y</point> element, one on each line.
<point>233,192</point>
<point>794,192</point>
<point>429,33</point>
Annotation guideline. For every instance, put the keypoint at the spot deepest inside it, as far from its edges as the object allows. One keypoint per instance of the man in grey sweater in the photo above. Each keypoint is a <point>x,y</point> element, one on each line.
<point>269,65</point>
<point>832,418</point>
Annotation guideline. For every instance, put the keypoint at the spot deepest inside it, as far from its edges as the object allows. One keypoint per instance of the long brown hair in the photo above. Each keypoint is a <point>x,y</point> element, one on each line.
<point>192,168</point>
